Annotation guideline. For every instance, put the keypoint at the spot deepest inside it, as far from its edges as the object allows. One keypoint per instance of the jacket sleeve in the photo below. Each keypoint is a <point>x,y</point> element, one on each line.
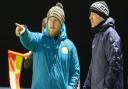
<point>114,59</point>
<point>30,39</point>
<point>87,83</point>
<point>74,70</point>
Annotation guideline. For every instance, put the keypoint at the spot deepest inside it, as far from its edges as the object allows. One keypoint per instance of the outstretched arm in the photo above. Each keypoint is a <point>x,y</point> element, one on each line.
<point>28,39</point>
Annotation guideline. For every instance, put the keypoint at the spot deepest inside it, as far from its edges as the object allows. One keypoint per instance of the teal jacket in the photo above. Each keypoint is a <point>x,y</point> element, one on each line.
<point>55,63</point>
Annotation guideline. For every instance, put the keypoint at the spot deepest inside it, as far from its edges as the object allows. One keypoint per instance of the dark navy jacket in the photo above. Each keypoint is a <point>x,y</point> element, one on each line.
<point>106,68</point>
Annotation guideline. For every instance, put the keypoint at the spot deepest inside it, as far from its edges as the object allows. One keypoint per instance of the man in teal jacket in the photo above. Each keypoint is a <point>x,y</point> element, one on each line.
<point>55,58</point>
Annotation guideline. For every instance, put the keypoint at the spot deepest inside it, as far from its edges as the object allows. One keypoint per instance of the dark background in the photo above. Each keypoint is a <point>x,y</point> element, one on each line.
<point>31,13</point>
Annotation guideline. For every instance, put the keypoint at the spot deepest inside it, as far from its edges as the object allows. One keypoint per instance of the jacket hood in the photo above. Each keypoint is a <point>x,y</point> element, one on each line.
<point>102,26</point>
<point>109,22</point>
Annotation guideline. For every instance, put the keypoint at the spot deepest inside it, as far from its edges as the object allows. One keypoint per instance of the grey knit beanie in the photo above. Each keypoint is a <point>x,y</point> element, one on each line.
<point>57,11</point>
<point>101,8</point>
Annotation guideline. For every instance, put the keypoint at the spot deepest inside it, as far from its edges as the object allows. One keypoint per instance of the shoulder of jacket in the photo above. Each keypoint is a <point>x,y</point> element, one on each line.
<point>68,43</point>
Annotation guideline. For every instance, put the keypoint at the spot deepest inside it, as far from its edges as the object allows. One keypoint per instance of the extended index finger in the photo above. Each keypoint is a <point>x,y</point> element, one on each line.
<point>19,25</point>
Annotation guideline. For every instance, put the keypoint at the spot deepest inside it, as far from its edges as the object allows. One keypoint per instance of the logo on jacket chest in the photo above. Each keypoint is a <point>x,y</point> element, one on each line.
<point>64,50</point>
<point>93,45</point>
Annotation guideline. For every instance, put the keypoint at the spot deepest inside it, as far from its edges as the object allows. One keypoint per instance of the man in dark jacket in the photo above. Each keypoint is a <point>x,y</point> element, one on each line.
<point>106,68</point>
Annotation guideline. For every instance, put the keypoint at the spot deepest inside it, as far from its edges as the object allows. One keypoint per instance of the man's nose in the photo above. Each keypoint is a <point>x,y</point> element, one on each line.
<point>90,17</point>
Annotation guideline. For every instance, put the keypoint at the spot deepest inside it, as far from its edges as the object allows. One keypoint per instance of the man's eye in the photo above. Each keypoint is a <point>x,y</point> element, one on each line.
<point>55,20</point>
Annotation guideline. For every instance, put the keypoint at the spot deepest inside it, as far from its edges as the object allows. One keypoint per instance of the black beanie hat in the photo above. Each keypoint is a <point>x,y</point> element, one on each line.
<point>100,8</point>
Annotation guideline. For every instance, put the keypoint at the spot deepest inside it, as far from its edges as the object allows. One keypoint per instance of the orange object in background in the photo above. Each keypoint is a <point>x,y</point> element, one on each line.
<point>15,60</point>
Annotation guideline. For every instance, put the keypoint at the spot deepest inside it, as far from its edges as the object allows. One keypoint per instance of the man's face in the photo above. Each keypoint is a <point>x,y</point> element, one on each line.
<point>54,26</point>
<point>95,19</point>
<point>44,23</point>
